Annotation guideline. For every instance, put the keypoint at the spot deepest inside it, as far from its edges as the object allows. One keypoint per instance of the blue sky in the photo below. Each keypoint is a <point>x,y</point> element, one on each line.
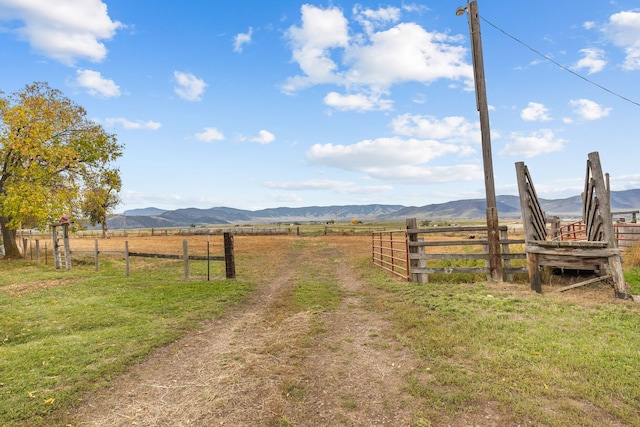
<point>255,104</point>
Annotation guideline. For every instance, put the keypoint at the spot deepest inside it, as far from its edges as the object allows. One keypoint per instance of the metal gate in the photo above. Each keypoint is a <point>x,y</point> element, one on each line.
<point>390,251</point>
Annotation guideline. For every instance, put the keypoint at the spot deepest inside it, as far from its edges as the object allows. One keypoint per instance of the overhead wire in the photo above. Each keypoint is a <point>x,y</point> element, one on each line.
<point>560,65</point>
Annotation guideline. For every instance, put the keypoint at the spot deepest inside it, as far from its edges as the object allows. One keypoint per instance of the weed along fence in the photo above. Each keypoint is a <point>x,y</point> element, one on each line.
<point>63,255</point>
<point>416,253</point>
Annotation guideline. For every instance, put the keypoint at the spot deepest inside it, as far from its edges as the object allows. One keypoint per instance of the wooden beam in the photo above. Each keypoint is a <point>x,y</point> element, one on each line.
<point>586,282</point>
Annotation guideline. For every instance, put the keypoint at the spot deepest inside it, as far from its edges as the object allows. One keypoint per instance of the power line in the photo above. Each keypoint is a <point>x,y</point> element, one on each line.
<point>560,65</point>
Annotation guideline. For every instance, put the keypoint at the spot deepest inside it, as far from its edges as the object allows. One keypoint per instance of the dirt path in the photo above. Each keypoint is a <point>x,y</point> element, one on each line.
<point>268,365</point>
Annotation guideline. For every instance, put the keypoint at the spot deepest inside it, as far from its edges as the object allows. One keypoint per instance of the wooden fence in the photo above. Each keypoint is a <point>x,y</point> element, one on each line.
<point>416,253</point>
<point>228,257</point>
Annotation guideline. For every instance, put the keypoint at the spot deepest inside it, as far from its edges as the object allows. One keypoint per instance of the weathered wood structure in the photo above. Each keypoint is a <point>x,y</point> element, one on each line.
<point>61,251</point>
<point>411,254</point>
<point>599,249</point>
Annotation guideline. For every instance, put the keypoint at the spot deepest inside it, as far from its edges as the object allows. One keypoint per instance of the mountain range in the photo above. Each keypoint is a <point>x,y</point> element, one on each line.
<point>508,208</point>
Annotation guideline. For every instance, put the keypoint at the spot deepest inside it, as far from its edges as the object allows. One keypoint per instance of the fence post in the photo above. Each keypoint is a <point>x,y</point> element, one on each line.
<point>229,256</point>
<point>487,262</point>
<point>422,263</point>
<point>412,223</point>
<point>185,256</point>
<point>96,254</point>
<point>126,256</point>
<point>37,251</point>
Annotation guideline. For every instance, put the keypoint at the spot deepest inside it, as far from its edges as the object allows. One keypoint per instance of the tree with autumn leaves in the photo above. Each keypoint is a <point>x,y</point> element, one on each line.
<point>51,160</point>
<point>100,197</point>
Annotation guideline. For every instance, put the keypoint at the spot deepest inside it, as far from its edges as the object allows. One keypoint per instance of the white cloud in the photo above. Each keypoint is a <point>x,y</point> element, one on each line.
<point>379,153</point>
<point>536,143</point>
<point>623,29</point>
<point>264,137</point>
<point>453,128</point>
<point>241,39</point>
<point>375,60</point>
<point>189,87</point>
<point>357,102</point>
<point>209,135</point>
<point>133,125</point>
<point>419,175</point>
<point>535,112</point>
<point>96,84</point>
<point>321,30</point>
<point>406,52</point>
<point>589,110</point>
<point>286,198</point>
<point>371,19</point>
<point>311,184</point>
<point>65,30</point>
<point>593,60</point>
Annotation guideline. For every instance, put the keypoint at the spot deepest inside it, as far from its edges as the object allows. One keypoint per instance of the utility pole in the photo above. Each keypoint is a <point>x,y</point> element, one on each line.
<point>493,231</point>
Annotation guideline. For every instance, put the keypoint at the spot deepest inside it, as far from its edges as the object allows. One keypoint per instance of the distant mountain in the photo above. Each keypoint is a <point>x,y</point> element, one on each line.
<point>325,213</point>
<point>508,208</point>
<point>145,212</point>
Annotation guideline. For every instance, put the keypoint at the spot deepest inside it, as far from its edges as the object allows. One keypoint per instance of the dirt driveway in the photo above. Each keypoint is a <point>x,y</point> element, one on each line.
<point>264,364</point>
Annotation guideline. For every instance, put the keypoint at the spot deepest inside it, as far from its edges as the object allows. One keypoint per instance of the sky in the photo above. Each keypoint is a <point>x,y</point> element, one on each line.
<point>255,104</point>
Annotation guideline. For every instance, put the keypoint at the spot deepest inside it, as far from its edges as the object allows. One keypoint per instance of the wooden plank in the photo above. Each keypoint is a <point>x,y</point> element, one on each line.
<point>450,270</point>
<point>511,256</point>
<point>457,229</point>
<point>484,256</point>
<point>572,244</point>
<point>535,278</point>
<point>516,241</point>
<point>470,242</point>
<point>574,252</point>
<point>539,218</point>
<point>584,283</point>
<point>528,201</point>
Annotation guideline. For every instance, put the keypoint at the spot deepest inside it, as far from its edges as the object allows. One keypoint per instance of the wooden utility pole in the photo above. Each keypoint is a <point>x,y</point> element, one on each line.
<point>493,232</point>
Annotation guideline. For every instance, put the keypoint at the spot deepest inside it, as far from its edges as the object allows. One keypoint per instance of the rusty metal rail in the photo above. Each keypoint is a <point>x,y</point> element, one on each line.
<point>390,251</point>
<point>627,234</point>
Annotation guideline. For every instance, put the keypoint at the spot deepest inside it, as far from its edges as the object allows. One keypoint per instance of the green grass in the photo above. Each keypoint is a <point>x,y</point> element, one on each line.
<point>531,359</point>
<point>316,286</point>
<point>632,277</point>
<point>538,359</point>
<point>66,332</point>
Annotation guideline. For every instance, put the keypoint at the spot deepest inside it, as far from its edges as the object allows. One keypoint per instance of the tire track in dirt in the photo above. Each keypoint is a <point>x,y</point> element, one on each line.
<point>264,364</point>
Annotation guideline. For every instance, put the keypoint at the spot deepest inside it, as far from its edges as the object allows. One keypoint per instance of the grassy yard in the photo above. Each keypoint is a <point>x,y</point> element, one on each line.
<point>67,332</point>
<point>551,359</point>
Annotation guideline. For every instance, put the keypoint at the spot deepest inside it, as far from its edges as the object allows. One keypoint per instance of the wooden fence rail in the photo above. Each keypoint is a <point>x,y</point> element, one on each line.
<point>412,255</point>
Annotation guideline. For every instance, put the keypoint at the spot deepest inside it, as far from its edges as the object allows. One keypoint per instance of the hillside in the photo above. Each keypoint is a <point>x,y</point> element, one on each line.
<point>508,208</point>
